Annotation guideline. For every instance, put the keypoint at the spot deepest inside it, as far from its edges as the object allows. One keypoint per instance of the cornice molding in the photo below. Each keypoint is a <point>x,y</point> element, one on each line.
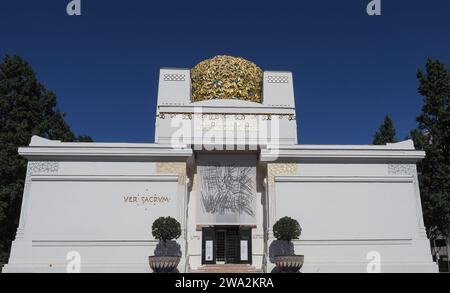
<point>100,153</point>
<point>380,154</point>
<point>106,178</point>
<point>343,179</point>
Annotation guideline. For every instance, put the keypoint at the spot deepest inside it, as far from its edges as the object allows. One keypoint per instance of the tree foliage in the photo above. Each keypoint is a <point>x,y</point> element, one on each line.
<point>286,229</point>
<point>386,133</point>
<point>166,228</point>
<point>433,136</point>
<point>27,108</point>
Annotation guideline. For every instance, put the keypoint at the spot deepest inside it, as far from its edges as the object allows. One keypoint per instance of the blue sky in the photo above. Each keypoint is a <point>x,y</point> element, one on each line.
<point>350,70</point>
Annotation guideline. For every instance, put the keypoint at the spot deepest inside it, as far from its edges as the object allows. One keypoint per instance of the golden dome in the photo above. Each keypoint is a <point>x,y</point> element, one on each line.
<point>226,77</point>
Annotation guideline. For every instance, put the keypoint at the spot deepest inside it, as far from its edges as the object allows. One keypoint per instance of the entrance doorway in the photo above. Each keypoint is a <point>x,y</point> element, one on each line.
<point>226,245</point>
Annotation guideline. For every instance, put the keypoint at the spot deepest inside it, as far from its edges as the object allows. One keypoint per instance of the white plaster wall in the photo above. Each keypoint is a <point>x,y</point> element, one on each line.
<point>194,232</point>
<point>174,87</point>
<point>342,169</point>
<point>106,168</point>
<point>98,210</point>
<point>347,210</point>
<point>278,89</point>
<point>82,206</point>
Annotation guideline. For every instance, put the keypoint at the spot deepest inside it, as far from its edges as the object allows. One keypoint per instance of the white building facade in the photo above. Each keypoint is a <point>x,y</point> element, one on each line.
<point>226,165</point>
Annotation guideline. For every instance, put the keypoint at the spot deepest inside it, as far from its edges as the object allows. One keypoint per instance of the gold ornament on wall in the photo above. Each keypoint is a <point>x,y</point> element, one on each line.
<point>172,168</point>
<point>226,77</point>
<point>280,169</point>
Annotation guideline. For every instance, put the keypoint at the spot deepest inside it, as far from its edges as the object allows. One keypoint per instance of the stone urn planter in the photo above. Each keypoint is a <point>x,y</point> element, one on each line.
<point>163,264</point>
<point>165,261</point>
<point>284,230</point>
<point>289,263</point>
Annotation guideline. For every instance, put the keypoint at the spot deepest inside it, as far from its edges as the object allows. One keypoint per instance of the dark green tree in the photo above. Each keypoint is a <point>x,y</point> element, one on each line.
<point>26,109</point>
<point>165,229</point>
<point>287,229</point>
<point>433,136</point>
<point>386,133</point>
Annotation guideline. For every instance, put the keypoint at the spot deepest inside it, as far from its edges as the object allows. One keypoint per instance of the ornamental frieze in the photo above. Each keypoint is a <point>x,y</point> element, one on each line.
<point>401,169</point>
<point>43,167</point>
<point>280,169</point>
<point>173,168</point>
<point>218,116</point>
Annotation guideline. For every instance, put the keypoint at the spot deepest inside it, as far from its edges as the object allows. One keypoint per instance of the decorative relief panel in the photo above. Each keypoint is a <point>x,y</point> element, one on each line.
<point>277,79</point>
<point>401,169</point>
<point>43,167</point>
<point>226,189</point>
<point>173,168</point>
<point>174,77</point>
<point>280,169</point>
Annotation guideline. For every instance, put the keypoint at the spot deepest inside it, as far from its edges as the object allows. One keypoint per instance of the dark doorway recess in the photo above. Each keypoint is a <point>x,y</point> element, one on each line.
<point>226,245</point>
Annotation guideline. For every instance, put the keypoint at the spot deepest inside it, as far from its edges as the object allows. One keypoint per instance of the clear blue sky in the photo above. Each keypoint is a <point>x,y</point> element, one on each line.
<point>350,70</point>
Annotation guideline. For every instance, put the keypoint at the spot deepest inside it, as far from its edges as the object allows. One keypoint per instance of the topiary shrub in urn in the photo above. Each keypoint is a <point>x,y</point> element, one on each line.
<point>167,253</point>
<point>284,230</point>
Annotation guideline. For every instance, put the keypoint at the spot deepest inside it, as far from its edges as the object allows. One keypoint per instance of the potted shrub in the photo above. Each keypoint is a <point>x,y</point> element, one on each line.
<point>284,230</point>
<point>167,253</point>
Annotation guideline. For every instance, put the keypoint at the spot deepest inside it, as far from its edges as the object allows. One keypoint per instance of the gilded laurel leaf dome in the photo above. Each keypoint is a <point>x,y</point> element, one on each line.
<point>226,77</point>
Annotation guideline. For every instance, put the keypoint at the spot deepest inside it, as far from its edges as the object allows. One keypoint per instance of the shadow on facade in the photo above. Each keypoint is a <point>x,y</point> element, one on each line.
<point>280,247</point>
<point>171,248</point>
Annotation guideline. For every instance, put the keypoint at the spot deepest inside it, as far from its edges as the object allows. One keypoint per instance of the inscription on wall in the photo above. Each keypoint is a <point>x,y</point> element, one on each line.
<point>146,199</point>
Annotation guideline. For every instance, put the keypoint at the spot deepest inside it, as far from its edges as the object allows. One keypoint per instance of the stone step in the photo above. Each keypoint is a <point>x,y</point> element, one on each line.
<point>227,268</point>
